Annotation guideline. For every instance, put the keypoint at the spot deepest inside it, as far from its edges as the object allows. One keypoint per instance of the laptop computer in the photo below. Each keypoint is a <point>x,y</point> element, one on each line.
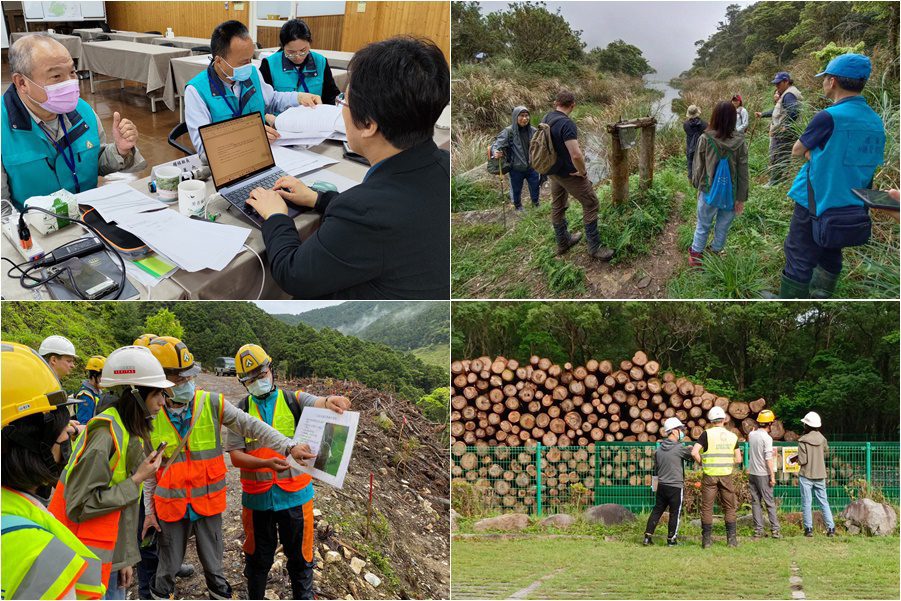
<point>240,160</point>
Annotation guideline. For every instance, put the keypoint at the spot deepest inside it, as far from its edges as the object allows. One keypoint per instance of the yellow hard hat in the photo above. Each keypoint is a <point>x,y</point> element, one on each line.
<point>95,363</point>
<point>144,339</point>
<point>174,356</point>
<point>250,361</point>
<point>29,385</point>
<point>765,417</point>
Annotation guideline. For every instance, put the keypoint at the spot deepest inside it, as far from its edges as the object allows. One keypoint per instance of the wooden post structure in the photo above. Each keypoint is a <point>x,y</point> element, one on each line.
<point>619,160</point>
<point>646,158</point>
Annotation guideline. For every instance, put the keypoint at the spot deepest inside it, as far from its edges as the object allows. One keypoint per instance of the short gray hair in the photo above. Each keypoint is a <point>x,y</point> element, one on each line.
<point>21,52</point>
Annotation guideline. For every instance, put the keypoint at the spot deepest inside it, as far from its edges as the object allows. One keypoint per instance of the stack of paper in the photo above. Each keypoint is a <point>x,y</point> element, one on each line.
<point>295,161</point>
<point>309,126</point>
<point>191,244</point>
<point>116,201</point>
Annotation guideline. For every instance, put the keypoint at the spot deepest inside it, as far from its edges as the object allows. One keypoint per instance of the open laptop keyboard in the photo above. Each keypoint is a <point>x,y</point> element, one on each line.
<point>237,197</point>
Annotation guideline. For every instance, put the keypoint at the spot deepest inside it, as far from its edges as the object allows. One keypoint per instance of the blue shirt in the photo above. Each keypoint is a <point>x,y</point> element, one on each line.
<point>85,410</point>
<point>373,168</point>
<point>275,499</point>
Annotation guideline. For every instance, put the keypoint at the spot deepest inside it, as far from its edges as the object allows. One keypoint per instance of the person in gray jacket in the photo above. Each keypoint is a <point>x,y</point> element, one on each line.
<point>513,145</point>
<point>669,464</point>
<point>812,451</point>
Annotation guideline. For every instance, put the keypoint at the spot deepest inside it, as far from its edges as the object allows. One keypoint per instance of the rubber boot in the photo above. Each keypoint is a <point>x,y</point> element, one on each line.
<point>565,240</point>
<point>731,534</point>
<point>788,289</point>
<point>706,535</point>
<point>647,540</point>
<point>822,283</point>
<point>595,250</point>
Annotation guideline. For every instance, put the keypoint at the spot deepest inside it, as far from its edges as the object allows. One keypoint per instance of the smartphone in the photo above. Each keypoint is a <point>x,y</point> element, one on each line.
<point>84,279</point>
<point>149,539</point>
<point>876,199</point>
<point>160,448</point>
<point>350,155</point>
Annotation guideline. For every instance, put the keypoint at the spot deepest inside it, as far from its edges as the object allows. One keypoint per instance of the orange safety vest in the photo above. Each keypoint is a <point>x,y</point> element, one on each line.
<point>258,481</point>
<point>197,476</point>
<point>99,534</point>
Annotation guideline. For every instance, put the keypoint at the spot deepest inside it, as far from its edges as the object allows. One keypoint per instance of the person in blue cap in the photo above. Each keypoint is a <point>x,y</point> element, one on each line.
<point>844,144</point>
<point>787,110</point>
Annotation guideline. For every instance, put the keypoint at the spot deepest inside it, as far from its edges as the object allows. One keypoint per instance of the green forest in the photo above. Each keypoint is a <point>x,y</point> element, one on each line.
<point>403,325</point>
<point>533,51</point>
<point>839,359</point>
<point>213,329</point>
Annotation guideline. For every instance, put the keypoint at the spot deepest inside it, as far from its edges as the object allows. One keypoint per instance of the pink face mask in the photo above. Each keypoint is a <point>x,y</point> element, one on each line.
<point>62,97</point>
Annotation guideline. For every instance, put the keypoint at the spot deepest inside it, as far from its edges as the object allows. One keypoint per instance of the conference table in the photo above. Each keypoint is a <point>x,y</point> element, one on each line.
<point>71,42</point>
<point>133,36</point>
<point>181,41</point>
<point>87,33</point>
<point>132,61</point>
<point>242,277</point>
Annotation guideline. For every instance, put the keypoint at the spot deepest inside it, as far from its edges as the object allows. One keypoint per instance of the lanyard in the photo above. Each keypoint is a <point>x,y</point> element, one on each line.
<point>220,89</point>
<point>301,80</point>
<point>70,159</point>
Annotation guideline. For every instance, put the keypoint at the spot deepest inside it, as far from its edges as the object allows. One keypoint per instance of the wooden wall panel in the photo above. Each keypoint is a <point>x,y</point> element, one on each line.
<point>385,19</point>
<point>326,30</point>
<point>194,19</point>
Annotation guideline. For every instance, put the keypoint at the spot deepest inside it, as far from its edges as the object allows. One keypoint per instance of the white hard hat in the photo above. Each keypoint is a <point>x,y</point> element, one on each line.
<point>671,424</point>
<point>813,420</point>
<point>134,365</point>
<point>57,345</point>
<point>716,413</point>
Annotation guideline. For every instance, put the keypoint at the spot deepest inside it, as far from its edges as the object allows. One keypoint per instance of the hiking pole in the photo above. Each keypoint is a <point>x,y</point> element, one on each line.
<point>369,510</point>
<point>500,174</point>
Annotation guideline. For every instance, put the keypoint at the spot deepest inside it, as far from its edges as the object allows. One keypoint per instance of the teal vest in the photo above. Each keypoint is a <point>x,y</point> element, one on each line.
<point>211,89</point>
<point>848,160</point>
<point>286,77</point>
<point>33,165</point>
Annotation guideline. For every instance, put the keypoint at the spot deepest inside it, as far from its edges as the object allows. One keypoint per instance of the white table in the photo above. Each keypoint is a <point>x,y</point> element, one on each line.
<point>88,33</point>
<point>71,42</point>
<point>133,36</point>
<point>241,279</point>
<point>181,41</point>
<point>131,61</point>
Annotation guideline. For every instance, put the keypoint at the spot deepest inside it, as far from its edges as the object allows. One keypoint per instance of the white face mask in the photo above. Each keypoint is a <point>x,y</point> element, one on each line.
<point>260,387</point>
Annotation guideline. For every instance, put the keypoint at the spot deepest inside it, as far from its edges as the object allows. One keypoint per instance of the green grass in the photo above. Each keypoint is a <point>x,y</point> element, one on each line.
<point>615,565</point>
<point>436,354</point>
<point>338,442</point>
<point>472,196</point>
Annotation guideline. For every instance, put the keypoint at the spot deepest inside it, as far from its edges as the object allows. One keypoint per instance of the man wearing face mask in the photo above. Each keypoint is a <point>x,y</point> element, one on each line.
<point>187,495</point>
<point>277,498</point>
<point>231,87</point>
<point>669,473</point>
<point>52,139</point>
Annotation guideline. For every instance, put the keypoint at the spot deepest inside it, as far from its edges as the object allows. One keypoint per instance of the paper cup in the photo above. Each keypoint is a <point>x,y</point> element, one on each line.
<point>167,180</point>
<point>191,196</point>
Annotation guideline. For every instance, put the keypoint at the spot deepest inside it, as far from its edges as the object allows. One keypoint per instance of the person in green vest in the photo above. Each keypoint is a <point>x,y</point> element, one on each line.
<point>41,558</point>
<point>187,495</point>
<point>716,451</point>
<point>296,68</point>
<point>52,139</point>
<point>231,87</point>
<point>277,498</point>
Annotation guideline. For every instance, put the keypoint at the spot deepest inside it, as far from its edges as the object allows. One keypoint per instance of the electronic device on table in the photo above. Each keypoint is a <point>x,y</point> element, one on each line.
<point>240,160</point>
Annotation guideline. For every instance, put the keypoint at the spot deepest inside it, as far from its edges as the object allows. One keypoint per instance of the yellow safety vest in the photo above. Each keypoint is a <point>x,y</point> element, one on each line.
<point>42,559</point>
<point>719,458</point>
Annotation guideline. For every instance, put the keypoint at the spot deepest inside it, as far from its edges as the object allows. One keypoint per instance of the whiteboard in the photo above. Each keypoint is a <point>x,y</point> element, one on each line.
<point>63,11</point>
<point>4,39</point>
<point>321,8</point>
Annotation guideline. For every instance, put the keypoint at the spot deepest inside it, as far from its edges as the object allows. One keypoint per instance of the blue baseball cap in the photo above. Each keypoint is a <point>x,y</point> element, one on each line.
<point>852,66</point>
<point>781,76</point>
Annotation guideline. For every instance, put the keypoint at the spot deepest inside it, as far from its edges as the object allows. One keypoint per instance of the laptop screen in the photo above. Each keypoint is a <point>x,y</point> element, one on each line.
<point>236,149</point>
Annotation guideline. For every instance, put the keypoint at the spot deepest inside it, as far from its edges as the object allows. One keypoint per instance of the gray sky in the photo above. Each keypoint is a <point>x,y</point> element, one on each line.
<point>293,307</point>
<point>665,31</point>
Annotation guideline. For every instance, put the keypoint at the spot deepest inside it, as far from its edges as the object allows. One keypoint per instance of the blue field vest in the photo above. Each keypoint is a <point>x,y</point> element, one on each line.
<point>287,77</point>
<point>33,165</point>
<point>848,160</point>
<point>211,88</point>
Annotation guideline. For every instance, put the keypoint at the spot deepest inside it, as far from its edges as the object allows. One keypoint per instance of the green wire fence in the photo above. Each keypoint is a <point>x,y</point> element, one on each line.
<point>546,480</point>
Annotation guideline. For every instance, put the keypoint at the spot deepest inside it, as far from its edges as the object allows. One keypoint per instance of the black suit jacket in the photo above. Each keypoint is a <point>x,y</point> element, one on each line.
<point>386,238</point>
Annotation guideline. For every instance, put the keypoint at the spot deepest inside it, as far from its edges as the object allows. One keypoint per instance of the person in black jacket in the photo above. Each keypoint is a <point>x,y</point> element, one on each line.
<point>694,126</point>
<point>388,237</point>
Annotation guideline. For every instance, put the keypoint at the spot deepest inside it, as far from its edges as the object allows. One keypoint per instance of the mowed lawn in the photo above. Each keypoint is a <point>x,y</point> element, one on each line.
<point>611,568</point>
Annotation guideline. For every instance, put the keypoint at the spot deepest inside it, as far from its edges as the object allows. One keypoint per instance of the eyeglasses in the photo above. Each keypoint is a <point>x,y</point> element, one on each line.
<point>341,100</point>
<point>300,54</point>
